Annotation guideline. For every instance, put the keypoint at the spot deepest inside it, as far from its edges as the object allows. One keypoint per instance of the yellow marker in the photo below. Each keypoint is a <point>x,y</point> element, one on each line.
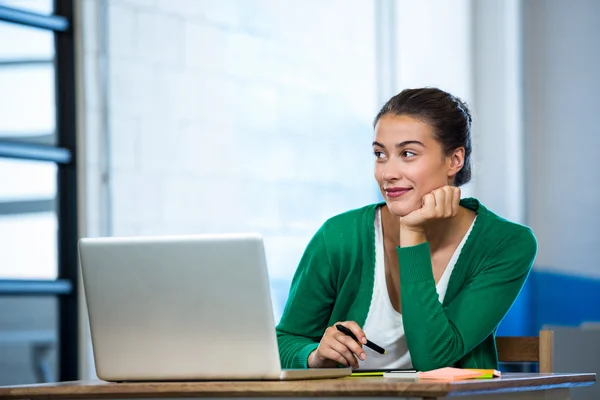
<point>358,373</point>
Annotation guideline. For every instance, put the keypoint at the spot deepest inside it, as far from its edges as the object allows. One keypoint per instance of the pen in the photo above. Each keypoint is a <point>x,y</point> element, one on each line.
<point>369,344</point>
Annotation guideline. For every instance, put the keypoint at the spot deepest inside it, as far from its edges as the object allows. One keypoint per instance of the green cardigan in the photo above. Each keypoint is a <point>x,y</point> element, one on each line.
<point>334,282</point>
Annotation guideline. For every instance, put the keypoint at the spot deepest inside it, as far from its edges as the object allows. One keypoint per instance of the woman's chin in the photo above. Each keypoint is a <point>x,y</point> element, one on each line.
<point>400,210</point>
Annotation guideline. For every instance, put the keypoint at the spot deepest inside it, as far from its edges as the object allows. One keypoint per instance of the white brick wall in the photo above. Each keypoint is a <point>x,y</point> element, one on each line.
<point>237,116</point>
<point>229,115</point>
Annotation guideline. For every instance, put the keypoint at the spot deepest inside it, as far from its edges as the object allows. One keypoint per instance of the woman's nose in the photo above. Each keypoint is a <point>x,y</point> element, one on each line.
<point>391,172</point>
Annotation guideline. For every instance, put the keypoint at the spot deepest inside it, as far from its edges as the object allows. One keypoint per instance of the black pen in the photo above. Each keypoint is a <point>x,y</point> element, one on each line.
<point>369,344</point>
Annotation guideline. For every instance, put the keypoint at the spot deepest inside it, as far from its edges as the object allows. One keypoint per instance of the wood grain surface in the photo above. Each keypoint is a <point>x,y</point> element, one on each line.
<point>343,387</point>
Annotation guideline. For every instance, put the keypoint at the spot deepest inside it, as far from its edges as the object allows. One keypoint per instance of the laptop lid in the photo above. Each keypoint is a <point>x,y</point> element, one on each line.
<point>180,307</point>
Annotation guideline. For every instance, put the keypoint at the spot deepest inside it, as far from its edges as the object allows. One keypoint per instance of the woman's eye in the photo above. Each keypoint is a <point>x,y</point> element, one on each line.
<point>378,154</point>
<point>408,154</point>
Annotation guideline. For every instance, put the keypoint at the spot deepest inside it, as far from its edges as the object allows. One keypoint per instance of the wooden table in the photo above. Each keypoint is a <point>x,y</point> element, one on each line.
<point>510,386</point>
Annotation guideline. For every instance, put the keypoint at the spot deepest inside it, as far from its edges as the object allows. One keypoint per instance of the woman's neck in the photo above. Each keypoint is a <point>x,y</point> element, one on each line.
<point>439,233</point>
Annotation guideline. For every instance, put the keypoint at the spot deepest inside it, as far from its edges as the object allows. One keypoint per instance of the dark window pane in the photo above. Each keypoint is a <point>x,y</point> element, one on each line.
<point>28,224</point>
<point>28,340</point>
<point>37,6</point>
<point>27,104</point>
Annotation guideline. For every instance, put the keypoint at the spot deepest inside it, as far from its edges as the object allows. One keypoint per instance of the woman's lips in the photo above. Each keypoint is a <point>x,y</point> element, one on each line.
<point>395,192</point>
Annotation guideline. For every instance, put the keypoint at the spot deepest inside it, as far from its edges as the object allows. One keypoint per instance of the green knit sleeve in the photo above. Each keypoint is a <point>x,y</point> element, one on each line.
<point>440,336</point>
<point>308,308</point>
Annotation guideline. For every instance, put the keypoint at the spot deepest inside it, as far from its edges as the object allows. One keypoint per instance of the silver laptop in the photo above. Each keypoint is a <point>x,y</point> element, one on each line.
<point>194,307</point>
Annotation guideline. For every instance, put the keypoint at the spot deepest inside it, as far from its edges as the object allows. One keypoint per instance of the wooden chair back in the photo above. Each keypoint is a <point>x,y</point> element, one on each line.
<point>538,349</point>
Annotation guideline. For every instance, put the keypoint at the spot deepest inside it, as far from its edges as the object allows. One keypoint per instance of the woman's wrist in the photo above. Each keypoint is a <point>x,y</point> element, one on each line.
<point>311,359</point>
<point>411,237</point>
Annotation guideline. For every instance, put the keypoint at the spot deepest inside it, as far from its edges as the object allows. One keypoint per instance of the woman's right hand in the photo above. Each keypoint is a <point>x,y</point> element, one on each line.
<point>337,348</point>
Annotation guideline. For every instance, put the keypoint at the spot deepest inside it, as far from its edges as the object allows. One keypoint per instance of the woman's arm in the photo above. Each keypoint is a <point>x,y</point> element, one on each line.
<point>440,336</point>
<point>308,308</point>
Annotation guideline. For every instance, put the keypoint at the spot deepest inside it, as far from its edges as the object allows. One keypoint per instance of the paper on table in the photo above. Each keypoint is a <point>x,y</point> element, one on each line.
<point>457,374</point>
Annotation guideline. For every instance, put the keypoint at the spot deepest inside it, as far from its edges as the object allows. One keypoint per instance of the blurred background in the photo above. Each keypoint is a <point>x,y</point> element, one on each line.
<point>142,117</point>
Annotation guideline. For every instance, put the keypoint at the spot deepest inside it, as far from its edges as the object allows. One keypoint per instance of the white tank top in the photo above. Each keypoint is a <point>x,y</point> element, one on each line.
<point>384,324</point>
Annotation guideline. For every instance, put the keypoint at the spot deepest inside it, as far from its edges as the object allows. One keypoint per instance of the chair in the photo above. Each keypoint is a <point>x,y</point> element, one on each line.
<point>538,349</point>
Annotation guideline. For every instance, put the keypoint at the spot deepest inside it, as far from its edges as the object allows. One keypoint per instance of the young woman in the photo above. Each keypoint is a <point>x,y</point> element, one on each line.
<point>426,275</point>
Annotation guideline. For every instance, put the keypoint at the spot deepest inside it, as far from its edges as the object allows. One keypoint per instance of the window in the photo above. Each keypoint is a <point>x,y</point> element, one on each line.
<point>28,223</point>
<point>38,209</point>
<point>45,7</point>
<point>27,110</point>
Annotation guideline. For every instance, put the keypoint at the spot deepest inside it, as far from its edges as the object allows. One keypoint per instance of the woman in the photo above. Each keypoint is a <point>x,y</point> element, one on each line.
<point>426,275</point>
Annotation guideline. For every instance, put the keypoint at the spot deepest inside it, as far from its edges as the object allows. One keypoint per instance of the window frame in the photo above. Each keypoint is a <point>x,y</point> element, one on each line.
<point>63,153</point>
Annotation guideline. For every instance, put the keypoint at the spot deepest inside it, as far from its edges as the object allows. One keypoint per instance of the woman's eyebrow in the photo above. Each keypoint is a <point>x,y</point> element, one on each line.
<point>401,144</point>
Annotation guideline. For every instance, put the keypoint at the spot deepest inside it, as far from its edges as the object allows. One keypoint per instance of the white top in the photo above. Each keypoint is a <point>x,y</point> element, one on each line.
<point>384,324</point>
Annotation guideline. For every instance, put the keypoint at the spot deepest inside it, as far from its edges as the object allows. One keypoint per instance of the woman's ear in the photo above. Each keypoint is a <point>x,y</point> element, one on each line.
<point>456,162</point>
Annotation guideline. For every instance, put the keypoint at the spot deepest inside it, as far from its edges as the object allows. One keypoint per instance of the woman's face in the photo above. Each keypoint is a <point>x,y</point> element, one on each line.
<point>409,162</point>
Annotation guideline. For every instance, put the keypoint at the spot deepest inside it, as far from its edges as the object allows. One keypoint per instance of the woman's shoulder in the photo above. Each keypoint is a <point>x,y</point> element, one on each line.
<point>351,220</point>
<point>349,227</point>
<point>346,234</point>
<point>495,229</point>
<point>496,221</point>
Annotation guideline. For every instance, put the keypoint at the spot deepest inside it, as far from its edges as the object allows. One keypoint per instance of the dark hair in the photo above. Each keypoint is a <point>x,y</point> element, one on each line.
<point>448,115</point>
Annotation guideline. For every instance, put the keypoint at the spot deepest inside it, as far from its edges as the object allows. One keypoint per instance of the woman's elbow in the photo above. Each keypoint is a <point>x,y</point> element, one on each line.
<point>430,360</point>
<point>423,364</point>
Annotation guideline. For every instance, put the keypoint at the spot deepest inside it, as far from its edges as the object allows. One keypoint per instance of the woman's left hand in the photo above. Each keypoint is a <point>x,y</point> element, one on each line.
<point>441,203</point>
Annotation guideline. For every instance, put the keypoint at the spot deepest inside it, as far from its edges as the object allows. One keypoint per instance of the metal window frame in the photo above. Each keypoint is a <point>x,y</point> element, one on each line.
<point>36,152</point>
<point>19,287</point>
<point>64,155</point>
<point>57,22</point>
<point>27,207</point>
<point>27,62</point>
